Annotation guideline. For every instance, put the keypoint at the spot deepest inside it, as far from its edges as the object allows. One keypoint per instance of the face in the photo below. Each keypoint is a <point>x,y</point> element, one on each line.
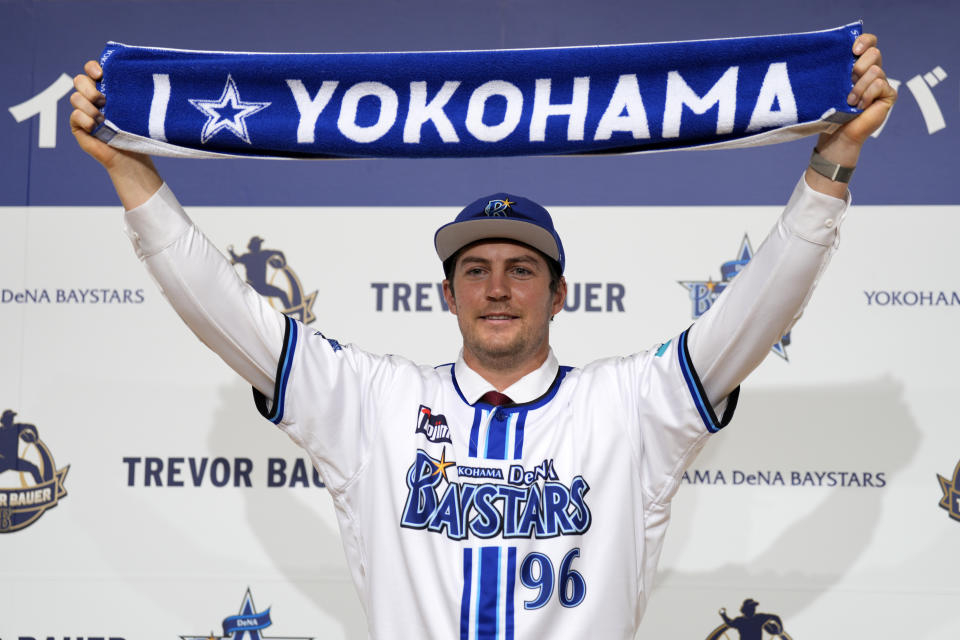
<point>503,305</point>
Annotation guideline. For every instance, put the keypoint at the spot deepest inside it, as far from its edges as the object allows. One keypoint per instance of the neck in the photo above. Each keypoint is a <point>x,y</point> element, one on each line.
<point>502,372</point>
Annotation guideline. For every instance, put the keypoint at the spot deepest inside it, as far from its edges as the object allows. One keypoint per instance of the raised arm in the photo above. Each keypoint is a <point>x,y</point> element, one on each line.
<point>201,285</point>
<point>133,174</point>
<point>769,294</point>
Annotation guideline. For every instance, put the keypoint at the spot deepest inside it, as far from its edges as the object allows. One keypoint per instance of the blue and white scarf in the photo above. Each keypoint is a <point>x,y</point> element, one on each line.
<point>573,100</point>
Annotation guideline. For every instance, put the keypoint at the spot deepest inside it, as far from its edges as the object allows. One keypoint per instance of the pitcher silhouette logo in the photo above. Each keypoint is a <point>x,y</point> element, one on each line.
<point>751,625</point>
<point>703,293</point>
<point>270,276</point>
<point>30,482</point>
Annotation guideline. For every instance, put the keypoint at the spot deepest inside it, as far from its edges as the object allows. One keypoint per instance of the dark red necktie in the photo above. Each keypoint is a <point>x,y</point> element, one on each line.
<point>495,398</point>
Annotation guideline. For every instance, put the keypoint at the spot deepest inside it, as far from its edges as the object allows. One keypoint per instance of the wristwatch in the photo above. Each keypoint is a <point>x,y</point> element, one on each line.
<point>827,169</point>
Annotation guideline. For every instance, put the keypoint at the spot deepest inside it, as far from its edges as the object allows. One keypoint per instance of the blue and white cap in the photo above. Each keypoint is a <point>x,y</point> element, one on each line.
<point>501,215</point>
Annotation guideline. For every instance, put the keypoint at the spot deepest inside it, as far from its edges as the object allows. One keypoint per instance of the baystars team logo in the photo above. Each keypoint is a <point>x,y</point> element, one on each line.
<point>749,626</point>
<point>951,493</point>
<point>247,624</point>
<point>498,208</point>
<point>237,112</point>
<point>704,293</point>
<point>532,503</point>
<point>270,275</point>
<point>27,462</point>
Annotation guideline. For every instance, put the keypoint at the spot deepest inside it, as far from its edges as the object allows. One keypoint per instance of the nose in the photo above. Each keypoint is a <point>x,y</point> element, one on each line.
<point>498,287</point>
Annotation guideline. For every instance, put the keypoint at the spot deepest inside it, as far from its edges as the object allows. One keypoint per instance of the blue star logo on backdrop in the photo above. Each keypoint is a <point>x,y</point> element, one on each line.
<point>245,625</point>
<point>704,293</point>
<point>239,111</point>
<point>951,493</point>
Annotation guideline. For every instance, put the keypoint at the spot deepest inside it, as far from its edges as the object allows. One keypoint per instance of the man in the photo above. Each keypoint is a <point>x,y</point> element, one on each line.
<point>531,499</point>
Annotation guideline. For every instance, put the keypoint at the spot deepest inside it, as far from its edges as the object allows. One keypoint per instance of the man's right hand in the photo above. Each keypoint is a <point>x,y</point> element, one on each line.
<point>133,174</point>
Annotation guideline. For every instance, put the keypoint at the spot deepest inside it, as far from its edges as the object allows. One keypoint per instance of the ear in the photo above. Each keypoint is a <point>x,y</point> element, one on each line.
<point>560,296</point>
<point>449,297</point>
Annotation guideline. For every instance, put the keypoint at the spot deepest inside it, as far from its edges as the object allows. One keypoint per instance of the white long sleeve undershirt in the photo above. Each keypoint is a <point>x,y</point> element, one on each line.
<point>726,343</point>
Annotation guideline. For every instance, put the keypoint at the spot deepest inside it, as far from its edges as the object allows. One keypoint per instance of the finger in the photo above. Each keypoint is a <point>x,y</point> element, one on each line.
<point>856,94</point>
<point>79,101</point>
<point>879,88</point>
<point>86,87</point>
<point>79,121</point>
<point>871,56</point>
<point>93,69</point>
<point>864,42</point>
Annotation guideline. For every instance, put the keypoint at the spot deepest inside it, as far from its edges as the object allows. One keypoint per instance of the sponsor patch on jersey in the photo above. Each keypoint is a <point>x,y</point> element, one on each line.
<point>703,293</point>
<point>246,624</point>
<point>951,493</point>
<point>749,624</point>
<point>433,426</point>
<point>269,274</point>
<point>30,482</point>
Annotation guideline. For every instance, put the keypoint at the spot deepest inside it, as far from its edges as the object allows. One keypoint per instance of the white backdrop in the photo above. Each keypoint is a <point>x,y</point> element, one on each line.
<point>868,389</point>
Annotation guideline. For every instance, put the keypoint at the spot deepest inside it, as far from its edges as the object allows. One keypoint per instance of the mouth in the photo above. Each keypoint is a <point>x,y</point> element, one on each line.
<point>498,317</point>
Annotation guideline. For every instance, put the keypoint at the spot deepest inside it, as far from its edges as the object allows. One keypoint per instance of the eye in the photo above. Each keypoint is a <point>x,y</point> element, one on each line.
<point>522,271</point>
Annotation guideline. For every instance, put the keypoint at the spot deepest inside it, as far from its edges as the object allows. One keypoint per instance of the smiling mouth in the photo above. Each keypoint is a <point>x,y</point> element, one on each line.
<point>498,316</point>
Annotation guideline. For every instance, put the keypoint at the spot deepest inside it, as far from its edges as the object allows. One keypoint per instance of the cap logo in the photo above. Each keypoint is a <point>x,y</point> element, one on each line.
<point>498,208</point>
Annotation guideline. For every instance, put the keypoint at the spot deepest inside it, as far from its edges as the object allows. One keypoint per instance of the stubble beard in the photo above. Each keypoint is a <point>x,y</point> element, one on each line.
<point>502,355</point>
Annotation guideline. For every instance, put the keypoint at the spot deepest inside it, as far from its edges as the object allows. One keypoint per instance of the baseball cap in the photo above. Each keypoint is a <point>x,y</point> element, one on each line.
<point>501,215</point>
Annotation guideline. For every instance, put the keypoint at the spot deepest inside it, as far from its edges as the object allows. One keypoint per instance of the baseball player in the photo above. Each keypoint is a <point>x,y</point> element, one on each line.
<point>503,495</point>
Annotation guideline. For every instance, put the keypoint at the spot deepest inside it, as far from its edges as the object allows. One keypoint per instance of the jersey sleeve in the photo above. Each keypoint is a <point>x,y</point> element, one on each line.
<point>205,290</point>
<point>312,387</point>
<point>672,416</point>
<point>768,296</point>
<point>327,396</point>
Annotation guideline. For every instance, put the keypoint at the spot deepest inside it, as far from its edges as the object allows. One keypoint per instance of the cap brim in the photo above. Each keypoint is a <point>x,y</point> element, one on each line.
<point>452,237</point>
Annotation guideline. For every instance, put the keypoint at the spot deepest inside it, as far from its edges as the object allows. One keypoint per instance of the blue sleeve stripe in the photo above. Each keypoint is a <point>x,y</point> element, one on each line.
<point>700,400</point>
<point>284,364</point>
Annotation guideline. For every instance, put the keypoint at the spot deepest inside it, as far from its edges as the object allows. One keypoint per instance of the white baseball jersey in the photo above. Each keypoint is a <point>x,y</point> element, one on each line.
<point>543,518</point>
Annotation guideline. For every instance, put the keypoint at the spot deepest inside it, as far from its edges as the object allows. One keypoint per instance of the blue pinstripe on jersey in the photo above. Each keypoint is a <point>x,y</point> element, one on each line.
<point>498,433</point>
<point>494,574</point>
<point>465,598</point>
<point>518,437</point>
<point>488,595</point>
<point>511,583</point>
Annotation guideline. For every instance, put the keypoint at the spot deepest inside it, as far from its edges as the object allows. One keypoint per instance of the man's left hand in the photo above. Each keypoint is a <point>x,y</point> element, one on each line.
<point>874,96</point>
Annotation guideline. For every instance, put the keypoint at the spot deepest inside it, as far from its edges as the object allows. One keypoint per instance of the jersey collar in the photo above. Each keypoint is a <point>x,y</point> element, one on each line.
<point>526,389</point>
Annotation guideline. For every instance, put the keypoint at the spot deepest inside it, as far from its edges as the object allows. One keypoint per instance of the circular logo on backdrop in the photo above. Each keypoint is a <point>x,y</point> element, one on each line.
<point>30,482</point>
<point>270,276</point>
<point>750,625</point>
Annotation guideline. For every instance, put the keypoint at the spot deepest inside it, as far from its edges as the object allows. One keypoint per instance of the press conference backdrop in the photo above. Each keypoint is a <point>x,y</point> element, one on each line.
<point>163,506</point>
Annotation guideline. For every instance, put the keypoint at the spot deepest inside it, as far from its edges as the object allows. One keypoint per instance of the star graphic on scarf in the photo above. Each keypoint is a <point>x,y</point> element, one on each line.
<point>237,112</point>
